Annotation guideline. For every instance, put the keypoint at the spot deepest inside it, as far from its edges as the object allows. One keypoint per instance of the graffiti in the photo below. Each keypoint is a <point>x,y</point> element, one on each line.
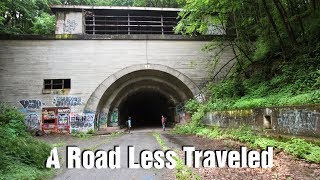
<point>31,104</point>
<point>114,118</point>
<point>32,121</point>
<point>70,26</point>
<point>82,122</point>
<point>67,101</point>
<point>103,120</point>
<point>200,97</point>
<point>48,114</point>
<point>63,119</point>
<point>295,121</point>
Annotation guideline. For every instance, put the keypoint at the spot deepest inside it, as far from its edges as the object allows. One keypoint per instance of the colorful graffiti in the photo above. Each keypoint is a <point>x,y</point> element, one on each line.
<point>114,118</point>
<point>63,101</point>
<point>63,118</point>
<point>103,120</point>
<point>82,122</point>
<point>31,104</point>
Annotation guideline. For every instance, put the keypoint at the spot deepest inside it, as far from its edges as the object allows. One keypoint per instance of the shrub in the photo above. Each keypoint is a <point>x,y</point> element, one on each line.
<point>22,156</point>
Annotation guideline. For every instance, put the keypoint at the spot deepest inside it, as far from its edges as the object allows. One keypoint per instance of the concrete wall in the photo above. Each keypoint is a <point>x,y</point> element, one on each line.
<point>69,23</point>
<point>24,64</point>
<point>296,120</point>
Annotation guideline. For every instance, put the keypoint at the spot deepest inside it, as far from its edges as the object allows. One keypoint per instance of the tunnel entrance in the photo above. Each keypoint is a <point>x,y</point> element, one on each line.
<point>145,108</point>
<point>143,92</point>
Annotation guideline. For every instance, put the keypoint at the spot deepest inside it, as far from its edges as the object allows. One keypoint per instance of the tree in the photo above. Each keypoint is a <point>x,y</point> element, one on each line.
<point>44,24</point>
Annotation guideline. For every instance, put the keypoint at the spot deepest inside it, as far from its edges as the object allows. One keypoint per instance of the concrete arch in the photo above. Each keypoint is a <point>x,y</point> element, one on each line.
<point>110,84</point>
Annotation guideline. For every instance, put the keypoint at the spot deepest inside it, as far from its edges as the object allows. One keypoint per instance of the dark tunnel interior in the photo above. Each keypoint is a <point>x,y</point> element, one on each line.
<point>145,109</point>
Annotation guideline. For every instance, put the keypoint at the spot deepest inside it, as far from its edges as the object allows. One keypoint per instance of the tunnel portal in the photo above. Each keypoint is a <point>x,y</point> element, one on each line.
<point>142,92</point>
<point>145,109</point>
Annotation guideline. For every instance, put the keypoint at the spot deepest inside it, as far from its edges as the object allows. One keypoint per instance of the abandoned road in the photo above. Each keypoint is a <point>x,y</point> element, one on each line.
<point>285,166</point>
<point>140,140</point>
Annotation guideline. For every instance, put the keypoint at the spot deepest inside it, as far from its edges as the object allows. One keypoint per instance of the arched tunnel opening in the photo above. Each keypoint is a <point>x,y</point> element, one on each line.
<point>145,108</point>
<point>142,92</point>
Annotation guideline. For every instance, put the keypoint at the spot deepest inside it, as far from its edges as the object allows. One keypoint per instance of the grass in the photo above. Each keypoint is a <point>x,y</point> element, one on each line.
<point>110,137</point>
<point>82,135</point>
<point>183,172</point>
<point>298,147</point>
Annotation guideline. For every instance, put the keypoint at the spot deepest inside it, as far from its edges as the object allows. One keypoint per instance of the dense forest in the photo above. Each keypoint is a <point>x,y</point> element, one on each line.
<point>277,48</point>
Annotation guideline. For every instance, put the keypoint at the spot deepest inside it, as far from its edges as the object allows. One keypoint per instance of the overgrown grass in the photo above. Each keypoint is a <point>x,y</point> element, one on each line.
<point>22,156</point>
<point>267,82</point>
<point>83,135</point>
<point>183,172</point>
<point>294,146</point>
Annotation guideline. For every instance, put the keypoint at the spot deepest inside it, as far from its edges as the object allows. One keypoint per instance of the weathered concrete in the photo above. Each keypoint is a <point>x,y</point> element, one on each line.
<point>102,72</point>
<point>296,120</point>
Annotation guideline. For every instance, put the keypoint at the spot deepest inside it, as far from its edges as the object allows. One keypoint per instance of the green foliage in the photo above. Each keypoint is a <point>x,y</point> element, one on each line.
<point>295,146</point>
<point>44,24</point>
<point>182,171</point>
<point>277,57</point>
<point>21,155</point>
<point>83,135</point>
<point>192,106</point>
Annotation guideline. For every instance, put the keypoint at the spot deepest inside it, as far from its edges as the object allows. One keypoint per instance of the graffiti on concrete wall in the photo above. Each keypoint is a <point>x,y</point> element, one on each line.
<point>70,26</point>
<point>31,104</point>
<point>63,101</point>
<point>82,122</point>
<point>32,121</point>
<point>296,121</point>
<point>63,119</point>
<point>114,118</point>
<point>103,120</point>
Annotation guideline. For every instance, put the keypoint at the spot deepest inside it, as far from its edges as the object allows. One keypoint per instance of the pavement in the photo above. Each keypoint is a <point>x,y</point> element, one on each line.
<point>141,139</point>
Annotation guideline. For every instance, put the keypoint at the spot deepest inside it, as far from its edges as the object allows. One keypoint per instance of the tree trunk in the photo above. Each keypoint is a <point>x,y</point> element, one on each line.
<point>285,21</point>
<point>273,24</point>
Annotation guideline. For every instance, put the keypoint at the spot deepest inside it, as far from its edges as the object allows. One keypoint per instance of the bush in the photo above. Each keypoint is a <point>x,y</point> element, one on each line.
<point>44,24</point>
<point>22,156</point>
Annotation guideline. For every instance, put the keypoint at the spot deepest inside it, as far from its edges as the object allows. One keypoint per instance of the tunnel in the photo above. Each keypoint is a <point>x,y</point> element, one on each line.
<point>142,92</point>
<point>146,108</point>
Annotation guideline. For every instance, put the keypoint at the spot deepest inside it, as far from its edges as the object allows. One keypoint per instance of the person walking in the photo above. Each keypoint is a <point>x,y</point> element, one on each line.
<point>163,121</point>
<point>129,124</point>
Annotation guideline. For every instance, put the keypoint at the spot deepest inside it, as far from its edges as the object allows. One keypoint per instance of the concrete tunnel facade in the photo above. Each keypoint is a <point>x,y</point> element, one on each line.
<point>89,76</point>
<point>144,93</point>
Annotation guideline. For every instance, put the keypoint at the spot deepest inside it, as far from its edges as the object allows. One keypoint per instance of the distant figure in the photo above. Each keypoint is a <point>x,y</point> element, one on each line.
<point>129,124</point>
<point>163,121</point>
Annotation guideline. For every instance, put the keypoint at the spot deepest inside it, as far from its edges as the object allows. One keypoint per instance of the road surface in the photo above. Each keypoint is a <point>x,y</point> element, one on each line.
<point>141,140</point>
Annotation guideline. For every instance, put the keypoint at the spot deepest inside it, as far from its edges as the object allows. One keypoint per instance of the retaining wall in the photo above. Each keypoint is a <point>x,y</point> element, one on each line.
<point>295,120</point>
